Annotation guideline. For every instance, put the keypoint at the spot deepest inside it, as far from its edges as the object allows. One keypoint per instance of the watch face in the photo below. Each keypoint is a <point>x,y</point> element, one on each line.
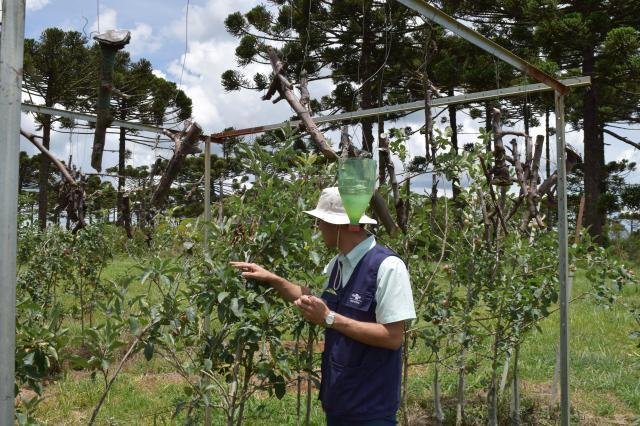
<point>329,318</point>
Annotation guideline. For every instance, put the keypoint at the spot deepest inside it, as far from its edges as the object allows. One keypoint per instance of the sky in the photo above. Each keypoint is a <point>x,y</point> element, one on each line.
<point>159,34</point>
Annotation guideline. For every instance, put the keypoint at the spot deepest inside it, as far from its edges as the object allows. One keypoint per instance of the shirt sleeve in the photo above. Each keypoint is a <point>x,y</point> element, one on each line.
<point>394,297</point>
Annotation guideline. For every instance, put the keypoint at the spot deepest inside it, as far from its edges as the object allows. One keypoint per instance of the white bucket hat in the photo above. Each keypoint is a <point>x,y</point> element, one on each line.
<point>331,210</point>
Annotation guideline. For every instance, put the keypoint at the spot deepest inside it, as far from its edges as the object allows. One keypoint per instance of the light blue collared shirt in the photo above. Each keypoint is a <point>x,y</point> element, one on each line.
<point>394,299</point>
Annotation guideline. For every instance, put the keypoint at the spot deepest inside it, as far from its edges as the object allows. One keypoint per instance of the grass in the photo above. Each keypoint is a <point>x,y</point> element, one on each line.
<point>605,378</point>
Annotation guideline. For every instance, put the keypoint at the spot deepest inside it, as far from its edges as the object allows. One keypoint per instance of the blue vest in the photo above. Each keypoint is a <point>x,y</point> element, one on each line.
<point>359,382</point>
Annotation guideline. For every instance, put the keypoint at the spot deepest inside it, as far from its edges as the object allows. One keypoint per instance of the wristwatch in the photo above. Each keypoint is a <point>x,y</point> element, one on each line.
<point>329,319</point>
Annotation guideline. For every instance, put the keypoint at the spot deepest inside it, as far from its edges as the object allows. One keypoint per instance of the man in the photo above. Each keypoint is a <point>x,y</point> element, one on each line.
<point>365,303</point>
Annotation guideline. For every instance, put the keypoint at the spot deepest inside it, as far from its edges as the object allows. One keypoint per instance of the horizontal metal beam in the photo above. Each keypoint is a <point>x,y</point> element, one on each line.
<point>92,118</point>
<point>87,117</point>
<point>436,15</point>
<point>411,106</point>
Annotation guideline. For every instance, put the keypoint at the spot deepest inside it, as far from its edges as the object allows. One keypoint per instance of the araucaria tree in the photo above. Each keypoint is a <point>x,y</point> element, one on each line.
<point>57,70</point>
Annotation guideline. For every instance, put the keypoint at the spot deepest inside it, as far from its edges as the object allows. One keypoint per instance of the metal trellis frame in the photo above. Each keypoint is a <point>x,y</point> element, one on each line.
<point>11,61</point>
<point>466,98</point>
<point>92,118</point>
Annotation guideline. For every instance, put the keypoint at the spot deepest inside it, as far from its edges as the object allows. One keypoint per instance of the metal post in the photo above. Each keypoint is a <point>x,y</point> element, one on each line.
<point>563,260</point>
<point>11,62</point>
<point>207,192</point>
<point>205,240</point>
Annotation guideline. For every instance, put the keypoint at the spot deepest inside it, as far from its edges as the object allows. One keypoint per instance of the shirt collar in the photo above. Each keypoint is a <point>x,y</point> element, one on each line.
<point>358,252</point>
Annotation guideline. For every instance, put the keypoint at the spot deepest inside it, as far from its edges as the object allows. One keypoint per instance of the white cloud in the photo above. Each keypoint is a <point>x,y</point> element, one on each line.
<point>159,73</point>
<point>33,5</point>
<point>630,154</point>
<point>214,108</point>
<point>143,40</point>
<point>108,20</point>
<point>207,22</point>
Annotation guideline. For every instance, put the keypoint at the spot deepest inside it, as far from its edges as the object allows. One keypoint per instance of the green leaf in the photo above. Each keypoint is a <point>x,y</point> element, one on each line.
<point>315,257</point>
<point>134,325</point>
<point>148,351</point>
<point>235,308</point>
<point>223,295</point>
<point>28,360</point>
<point>279,387</point>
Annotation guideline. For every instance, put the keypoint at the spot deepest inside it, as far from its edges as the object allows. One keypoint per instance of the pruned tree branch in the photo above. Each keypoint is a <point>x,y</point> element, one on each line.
<point>499,172</point>
<point>622,138</point>
<point>63,169</point>
<point>186,143</point>
<point>573,158</point>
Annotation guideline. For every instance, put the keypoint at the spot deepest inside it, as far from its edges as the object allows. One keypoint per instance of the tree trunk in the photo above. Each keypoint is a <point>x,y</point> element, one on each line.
<point>121,170</point>
<point>43,187</point>
<point>515,403</point>
<point>382,161</point>
<point>453,122</point>
<point>492,394</point>
<point>307,413</point>
<point>462,360</point>
<point>405,381</point>
<point>488,126</point>
<point>437,409</point>
<point>593,152</point>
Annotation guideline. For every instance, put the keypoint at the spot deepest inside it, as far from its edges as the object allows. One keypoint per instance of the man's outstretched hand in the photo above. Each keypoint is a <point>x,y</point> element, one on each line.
<point>251,271</point>
<point>313,309</point>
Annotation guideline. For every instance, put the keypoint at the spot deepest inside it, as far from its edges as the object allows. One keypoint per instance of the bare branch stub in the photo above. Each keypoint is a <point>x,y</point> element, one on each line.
<point>305,97</point>
<point>499,172</point>
<point>72,195</point>
<point>548,186</point>
<point>281,85</point>
<point>186,143</point>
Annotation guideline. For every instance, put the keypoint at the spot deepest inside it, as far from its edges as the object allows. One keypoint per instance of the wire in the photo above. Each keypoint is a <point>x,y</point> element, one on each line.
<point>184,57</point>
<point>306,44</point>
<point>186,45</point>
<point>387,52</point>
<point>98,14</point>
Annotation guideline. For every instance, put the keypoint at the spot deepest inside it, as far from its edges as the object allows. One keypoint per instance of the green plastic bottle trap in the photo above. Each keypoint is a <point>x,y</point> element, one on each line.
<point>356,183</point>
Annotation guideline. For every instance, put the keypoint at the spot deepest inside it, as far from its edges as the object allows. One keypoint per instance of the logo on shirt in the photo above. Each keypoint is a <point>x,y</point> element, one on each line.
<point>355,298</point>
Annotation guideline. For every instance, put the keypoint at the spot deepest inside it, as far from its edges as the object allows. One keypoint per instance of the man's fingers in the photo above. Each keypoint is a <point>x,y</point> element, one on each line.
<point>245,266</point>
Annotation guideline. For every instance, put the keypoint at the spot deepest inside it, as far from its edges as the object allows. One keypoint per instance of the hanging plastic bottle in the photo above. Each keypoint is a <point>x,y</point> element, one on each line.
<point>356,183</point>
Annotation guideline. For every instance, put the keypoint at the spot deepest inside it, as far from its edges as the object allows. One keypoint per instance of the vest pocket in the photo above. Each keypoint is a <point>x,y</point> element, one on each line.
<point>358,301</point>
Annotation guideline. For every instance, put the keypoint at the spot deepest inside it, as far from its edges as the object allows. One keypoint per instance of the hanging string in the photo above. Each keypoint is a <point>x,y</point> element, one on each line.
<point>184,56</point>
<point>73,123</point>
<point>98,14</point>
<point>306,44</point>
<point>186,45</point>
<point>384,63</point>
